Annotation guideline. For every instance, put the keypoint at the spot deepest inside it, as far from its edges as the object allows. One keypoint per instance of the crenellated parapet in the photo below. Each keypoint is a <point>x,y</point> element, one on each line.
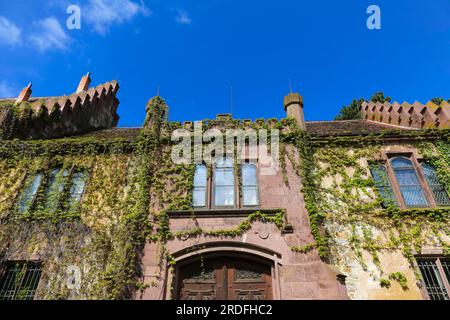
<point>416,115</point>
<point>86,110</point>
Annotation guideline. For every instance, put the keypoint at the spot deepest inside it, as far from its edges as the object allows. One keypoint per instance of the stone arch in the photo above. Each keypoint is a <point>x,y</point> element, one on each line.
<point>232,256</point>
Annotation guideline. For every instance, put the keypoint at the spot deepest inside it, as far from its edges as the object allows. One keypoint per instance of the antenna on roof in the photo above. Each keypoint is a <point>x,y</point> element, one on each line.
<point>231,100</point>
<point>158,91</point>
<point>290,85</point>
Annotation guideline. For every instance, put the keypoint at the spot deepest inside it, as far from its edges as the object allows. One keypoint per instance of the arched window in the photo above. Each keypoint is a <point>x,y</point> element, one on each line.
<point>249,185</point>
<point>199,192</point>
<point>438,190</point>
<point>224,182</point>
<point>408,182</point>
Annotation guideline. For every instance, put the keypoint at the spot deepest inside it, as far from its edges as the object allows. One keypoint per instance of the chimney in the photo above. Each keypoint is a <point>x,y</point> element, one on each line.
<point>25,94</point>
<point>293,105</point>
<point>84,83</point>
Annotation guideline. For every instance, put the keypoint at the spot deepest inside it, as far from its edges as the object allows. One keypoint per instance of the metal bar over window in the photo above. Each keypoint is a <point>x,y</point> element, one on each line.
<point>433,279</point>
<point>20,281</point>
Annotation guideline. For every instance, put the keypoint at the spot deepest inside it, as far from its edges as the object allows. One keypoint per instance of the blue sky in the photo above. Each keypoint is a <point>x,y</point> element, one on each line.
<point>195,51</point>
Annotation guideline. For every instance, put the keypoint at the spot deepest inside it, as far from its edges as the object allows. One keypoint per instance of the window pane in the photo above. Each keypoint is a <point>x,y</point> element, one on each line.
<point>407,177</point>
<point>383,184</point>
<point>224,182</point>
<point>199,192</point>
<point>54,187</point>
<point>249,175</point>
<point>224,163</point>
<point>433,281</point>
<point>224,177</point>
<point>199,197</point>
<point>438,190</point>
<point>401,163</point>
<point>249,185</point>
<point>413,196</point>
<point>408,182</point>
<point>29,194</point>
<point>224,196</point>
<point>250,196</point>
<point>200,176</point>
<point>77,187</point>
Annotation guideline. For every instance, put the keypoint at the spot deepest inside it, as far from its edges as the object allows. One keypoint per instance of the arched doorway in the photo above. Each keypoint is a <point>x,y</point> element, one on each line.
<point>224,278</point>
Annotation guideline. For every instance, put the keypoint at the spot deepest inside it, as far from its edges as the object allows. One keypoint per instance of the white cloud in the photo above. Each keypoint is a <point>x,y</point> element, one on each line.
<point>6,91</point>
<point>49,35</point>
<point>183,17</point>
<point>9,32</point>
<point>102,14</point>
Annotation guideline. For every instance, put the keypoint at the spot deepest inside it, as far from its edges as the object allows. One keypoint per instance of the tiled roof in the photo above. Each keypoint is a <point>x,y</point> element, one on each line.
<point>316,128</point>
<point>349,127</point>
<point>129,134</point>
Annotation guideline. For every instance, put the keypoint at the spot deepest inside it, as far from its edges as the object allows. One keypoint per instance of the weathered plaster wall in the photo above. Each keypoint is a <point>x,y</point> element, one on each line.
<point>359,239</point>
<point>90,241</point>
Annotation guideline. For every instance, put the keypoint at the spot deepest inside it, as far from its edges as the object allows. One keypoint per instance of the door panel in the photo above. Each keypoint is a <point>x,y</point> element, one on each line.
<point>249,282</point>
<point>225,279</point>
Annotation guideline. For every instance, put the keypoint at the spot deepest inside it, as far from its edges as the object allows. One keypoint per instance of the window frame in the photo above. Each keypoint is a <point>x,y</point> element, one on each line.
<point>23,189</point>
<point>241,191</point>
<point>41,196</point>
<point>420,179</point>
<point>437,260</point>
<point>69,183</point>
<point>387,157</point>
<point>207,187</point>
<point>213,186</point>
<point>238,193</point>
<point>66,180</point>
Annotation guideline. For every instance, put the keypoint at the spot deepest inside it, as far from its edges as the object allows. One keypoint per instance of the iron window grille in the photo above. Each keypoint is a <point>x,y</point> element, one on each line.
<point>20,280</point>
<point>436,276</point>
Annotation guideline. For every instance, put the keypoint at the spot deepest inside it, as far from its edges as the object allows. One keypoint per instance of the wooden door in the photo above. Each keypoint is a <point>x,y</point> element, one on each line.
<point>249,282</point>
<point>225,279</point>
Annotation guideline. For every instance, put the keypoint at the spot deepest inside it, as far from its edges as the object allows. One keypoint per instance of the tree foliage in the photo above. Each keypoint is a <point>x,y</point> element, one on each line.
<point>437,100</point>
<point>353,110</point>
